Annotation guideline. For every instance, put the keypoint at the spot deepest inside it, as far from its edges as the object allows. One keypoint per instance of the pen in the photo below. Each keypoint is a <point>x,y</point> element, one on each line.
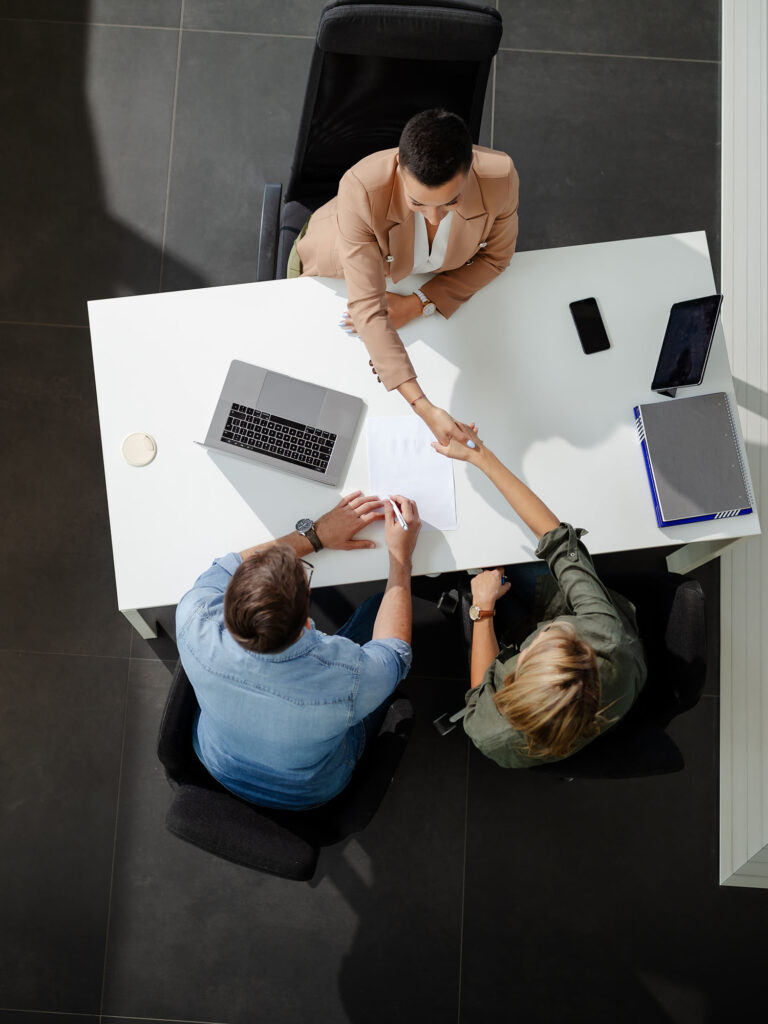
<point>398,514</point>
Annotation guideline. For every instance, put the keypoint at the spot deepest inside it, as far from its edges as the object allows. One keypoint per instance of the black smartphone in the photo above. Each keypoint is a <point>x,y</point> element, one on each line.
<point>686,344</point>
<point>589,324</point>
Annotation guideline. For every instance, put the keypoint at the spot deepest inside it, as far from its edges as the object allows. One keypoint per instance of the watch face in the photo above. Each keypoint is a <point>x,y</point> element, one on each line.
<point>303,525</point>
<point>474,613</point>
<point>429,309</point>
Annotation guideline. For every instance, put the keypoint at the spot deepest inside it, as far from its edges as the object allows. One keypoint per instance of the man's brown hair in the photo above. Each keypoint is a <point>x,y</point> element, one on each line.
<point>267,600</point>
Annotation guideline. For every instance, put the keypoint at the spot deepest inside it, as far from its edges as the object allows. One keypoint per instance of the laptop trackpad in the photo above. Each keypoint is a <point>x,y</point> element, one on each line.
<point>291,399</point>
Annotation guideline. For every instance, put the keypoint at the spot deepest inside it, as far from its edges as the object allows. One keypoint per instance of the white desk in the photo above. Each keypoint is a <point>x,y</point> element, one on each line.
<point>510,359</point>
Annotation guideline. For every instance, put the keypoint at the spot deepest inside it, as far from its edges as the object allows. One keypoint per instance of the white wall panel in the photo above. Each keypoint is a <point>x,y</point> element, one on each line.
<point>744,579</point>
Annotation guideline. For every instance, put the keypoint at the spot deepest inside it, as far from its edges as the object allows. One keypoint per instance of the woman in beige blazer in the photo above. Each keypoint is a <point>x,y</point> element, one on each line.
<point>368,232</point>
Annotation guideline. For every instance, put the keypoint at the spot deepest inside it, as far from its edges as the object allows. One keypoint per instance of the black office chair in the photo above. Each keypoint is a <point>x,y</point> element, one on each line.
<point>375,65</point>
<point>672,626</point>
<point>282,843</point>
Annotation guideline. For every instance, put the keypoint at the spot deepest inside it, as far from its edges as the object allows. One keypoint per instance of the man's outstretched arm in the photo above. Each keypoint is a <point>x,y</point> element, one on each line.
<point>335,529</point>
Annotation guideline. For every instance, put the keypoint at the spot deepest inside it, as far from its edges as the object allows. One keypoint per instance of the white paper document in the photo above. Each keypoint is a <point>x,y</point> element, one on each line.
<point>401,460</point>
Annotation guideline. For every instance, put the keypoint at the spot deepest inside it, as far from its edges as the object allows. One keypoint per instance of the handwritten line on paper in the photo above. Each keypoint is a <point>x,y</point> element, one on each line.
<point>401,460</point>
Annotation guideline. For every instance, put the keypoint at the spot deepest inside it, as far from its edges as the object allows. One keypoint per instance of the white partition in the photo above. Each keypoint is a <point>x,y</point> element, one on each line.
<point>744,580</point>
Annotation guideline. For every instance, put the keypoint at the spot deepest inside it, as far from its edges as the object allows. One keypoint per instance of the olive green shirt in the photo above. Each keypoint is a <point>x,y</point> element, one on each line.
<point>603,619</point>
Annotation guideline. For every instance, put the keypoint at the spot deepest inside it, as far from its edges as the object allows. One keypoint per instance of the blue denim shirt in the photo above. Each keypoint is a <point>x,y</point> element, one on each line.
<point>284,729</point>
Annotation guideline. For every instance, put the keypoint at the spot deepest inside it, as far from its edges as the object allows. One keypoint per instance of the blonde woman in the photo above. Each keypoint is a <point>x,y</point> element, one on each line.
<point>569,672</point>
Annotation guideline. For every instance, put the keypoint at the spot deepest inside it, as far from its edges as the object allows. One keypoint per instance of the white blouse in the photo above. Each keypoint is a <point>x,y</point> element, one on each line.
<point>426,260</point>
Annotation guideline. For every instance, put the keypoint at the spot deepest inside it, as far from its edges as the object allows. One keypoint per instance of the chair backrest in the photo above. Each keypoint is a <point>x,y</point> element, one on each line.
<point>375,65</point>
<point>671,621</point>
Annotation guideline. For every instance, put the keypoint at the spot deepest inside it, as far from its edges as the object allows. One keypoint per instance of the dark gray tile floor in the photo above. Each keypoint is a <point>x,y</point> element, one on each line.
<point>651,178</point>
<point>136,158</point>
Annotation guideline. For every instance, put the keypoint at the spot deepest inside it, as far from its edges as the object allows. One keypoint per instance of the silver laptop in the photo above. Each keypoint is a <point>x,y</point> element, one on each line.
<point>289,424</point>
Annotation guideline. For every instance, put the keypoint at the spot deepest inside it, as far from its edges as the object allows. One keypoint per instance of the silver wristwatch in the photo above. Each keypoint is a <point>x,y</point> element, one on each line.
<point>307,529</point>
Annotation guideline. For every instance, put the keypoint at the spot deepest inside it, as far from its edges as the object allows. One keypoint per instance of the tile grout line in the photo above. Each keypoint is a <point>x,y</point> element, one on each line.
<point>170,148</point>
<point>38,323</point>
<point>158,1020</point>
<point>463,885</point>
<point>238,32</point>
<point>98,657</point>
<point>89,24</point>
<point>48,1013</point>
<point>291,35</point>
<point>493,102</point>
<point>493,89</point>
<point>493,85</point>
<point>158,28</point>
<point>114,845</point>
<point>74,654</point>
<point>616,56</point>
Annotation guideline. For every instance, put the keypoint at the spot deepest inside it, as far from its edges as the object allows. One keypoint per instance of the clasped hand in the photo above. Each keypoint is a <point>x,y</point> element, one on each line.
<point>487,588</point>
<point>457,446</point>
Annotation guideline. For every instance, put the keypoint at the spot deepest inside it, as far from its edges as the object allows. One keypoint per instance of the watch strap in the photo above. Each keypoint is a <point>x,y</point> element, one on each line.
<point>483,613</point>
<point>312,537</point>
<point>307,529</point>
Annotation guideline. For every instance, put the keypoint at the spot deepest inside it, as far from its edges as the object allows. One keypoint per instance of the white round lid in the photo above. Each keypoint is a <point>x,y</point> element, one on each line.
<point>139,449</point>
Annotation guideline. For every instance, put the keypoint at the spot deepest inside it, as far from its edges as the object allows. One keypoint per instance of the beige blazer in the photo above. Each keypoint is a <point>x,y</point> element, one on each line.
<point>366,234</point>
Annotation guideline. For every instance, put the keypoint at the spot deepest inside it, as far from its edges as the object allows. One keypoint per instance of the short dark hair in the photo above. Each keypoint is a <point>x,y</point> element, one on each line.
<point>267,600</point>
<point>435,146</point>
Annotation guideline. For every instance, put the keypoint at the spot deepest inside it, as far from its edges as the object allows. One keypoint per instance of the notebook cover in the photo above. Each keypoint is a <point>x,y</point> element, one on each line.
<point>693,459</point>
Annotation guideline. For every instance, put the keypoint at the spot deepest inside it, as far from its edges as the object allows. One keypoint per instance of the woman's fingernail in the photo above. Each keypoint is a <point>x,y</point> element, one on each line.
<point>471,444</point>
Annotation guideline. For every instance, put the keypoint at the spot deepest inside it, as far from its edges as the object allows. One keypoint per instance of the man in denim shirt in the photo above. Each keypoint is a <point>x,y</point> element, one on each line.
<point>285,710</point>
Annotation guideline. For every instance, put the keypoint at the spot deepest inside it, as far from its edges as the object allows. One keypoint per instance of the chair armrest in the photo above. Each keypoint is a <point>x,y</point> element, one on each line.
<point>293,217</point>
<point>174,741</point>
<point>268,232</point>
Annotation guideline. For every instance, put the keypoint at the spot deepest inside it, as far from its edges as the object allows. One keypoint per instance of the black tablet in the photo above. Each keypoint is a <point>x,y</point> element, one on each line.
<point>687,340</point>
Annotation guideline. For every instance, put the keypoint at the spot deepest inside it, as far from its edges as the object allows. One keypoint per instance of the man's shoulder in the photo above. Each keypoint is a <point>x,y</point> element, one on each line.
<point>491,163</point>
<point>333,649</point>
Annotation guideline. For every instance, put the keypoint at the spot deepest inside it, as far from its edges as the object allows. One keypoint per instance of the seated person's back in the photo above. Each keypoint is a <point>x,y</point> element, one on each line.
<point>285,710</point>
<point>577,665</point>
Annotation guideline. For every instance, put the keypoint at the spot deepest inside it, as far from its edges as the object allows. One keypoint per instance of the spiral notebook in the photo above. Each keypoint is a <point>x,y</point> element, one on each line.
<point>694,459</point>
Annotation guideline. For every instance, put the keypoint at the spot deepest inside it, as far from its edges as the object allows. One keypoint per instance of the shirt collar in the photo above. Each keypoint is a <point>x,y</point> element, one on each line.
<point>309,638</point>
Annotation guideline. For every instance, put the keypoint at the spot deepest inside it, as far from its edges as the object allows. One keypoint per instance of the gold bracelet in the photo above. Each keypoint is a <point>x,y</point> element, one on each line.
<point>416,399</point>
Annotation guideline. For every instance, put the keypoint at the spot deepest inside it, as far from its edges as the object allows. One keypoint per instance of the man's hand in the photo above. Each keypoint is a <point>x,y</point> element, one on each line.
<point>461,450</point>
<point>487,588</point>
<point>337,528</point>
<point>399,541</point>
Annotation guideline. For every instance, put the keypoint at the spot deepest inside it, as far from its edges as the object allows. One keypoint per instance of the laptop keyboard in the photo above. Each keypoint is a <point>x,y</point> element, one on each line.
<point>282,439</point>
